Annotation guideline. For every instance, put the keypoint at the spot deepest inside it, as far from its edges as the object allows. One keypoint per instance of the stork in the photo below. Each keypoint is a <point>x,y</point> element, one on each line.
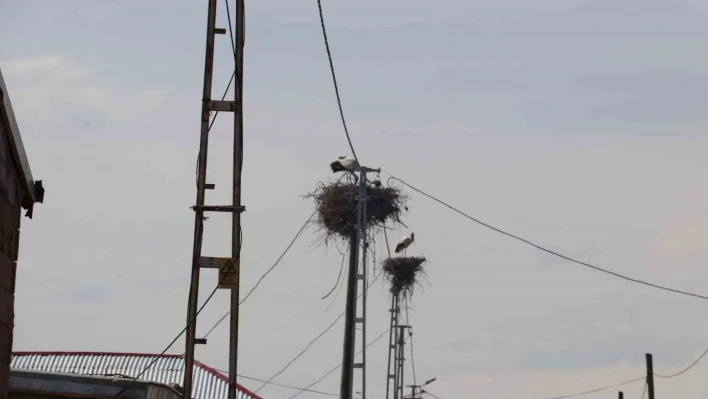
<point>404,243</point>
<point>345,164</point>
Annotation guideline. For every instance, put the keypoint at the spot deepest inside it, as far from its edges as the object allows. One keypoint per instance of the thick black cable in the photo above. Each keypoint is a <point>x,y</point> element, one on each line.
<point>339,276</point>
<point>334,79</point>
<point>264,274</point>
<point>596,268</point>
<point>338,366</point>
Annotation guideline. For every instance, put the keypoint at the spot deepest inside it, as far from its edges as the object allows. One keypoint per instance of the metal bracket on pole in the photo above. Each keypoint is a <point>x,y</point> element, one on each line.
<point>219,208</point>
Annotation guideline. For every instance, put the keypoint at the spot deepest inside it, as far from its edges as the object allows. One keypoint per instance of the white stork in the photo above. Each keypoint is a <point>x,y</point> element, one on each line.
<point>405,242</point>
<point>345,164</point>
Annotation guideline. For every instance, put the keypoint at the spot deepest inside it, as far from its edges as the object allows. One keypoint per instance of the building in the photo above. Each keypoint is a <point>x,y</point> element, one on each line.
<point>17,190</point>
<point>26,384</point>
<point>168,369</point>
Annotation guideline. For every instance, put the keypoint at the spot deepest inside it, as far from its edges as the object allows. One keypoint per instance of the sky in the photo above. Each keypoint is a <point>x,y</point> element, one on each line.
<point>579,124</point>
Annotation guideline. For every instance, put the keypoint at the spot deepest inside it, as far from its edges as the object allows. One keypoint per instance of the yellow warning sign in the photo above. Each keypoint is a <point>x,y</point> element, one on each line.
<point>228,273</point>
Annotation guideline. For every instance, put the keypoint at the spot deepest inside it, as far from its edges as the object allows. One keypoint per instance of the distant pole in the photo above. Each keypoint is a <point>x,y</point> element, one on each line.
<point>401,357</point>
<point>650,376</point>
<point>392,369</point>
<point>621,395</point>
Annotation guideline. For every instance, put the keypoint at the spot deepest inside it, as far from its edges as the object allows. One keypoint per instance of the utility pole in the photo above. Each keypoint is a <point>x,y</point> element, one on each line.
<point>228,267</point>
<point>400,362</point>
<point>650,375</point>
<point>391,370</point>
<point>417,390</point>
<point>236,216</point>
<point>413,391</point>
<point>356,275</point>
<point>621,395</point>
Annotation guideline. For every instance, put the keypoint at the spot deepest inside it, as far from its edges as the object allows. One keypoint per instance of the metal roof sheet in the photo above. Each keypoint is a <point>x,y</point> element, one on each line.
<point>208,383</point>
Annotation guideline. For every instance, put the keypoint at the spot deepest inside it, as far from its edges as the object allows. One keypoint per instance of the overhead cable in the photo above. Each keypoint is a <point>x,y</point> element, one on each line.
<point>265,274</point>
<point>339,365</point>
<point>312,342</point>
<point>599,389</point>
<point>334,80</point>
<point>537,246</point>
<point>686,369</point>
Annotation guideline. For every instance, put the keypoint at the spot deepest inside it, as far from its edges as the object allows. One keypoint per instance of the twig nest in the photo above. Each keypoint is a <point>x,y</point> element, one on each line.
<point>403,273</point>
<point>337,207</point>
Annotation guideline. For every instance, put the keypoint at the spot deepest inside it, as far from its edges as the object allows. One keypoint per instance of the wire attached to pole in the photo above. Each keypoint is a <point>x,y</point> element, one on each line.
<point>554,253</point>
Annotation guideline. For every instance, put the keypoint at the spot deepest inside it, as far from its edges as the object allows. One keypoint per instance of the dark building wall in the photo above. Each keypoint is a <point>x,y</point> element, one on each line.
<point>10,214</point>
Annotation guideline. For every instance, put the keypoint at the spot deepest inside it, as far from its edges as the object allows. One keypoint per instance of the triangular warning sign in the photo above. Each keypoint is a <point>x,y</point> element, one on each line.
<point>229,268</point>
<point>228,274</point>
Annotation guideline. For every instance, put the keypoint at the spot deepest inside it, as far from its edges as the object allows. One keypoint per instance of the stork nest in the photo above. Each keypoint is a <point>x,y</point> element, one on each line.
<point>403,273</point>
<point>337,207</point>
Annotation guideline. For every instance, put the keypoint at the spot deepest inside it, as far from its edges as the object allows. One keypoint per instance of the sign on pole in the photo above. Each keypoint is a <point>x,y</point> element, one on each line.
<point>228,274</point>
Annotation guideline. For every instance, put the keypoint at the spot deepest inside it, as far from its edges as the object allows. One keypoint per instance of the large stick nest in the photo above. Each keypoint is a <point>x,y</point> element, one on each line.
<point>403,273</point>
<point>337,207</point>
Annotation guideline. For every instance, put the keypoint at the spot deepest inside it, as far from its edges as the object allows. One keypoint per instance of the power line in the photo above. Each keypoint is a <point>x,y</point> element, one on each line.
<point>339,365</point>
<point>596,268</point>
<point>233,44</point>
<point>686,369</point>
<point>339,276</point>
<point>598,389</point>
<point>282,385</point>
<point>635,380</point>
<point>645,390</point>
<point>428,393</point>
<point>302,352</point>
<point>265,274</point>
<point>334,79</point>
<point>171,343</point>
<point>312,342</point>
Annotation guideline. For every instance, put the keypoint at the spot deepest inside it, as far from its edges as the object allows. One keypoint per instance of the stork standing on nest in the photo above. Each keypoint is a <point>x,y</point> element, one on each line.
<point>404,243</point>
<point>345,164</point>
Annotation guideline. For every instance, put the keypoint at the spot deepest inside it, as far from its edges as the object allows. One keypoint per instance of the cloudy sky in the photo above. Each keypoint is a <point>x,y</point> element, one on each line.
<point>579,124</point>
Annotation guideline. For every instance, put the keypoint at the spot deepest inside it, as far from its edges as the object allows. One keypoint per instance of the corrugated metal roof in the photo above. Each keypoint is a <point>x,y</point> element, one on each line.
<point>208,383</point>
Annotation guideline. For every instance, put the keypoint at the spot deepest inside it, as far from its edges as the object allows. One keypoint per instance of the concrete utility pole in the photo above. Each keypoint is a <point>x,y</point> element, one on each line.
<point>356,275</point>
<point>650,375</point>
<point>228,267</point>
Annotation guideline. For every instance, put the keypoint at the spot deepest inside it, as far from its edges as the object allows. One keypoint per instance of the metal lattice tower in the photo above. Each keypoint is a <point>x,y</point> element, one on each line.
<point>393,346</point>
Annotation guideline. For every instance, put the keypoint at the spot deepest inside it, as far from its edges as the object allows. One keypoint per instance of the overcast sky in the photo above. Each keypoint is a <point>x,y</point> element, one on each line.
<point>578,124</point>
